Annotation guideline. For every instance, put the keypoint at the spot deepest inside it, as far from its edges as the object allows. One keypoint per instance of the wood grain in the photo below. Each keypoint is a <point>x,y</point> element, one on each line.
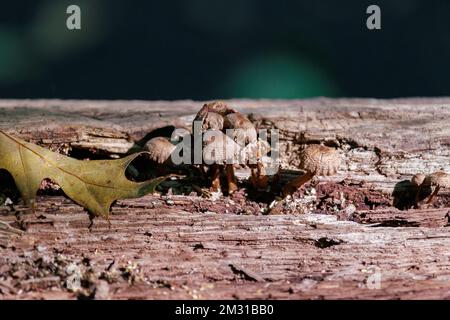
<point>190,248</point>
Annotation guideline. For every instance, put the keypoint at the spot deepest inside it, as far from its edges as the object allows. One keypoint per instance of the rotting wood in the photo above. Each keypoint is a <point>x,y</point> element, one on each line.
<point>184,249</point>
<point>384,141</point>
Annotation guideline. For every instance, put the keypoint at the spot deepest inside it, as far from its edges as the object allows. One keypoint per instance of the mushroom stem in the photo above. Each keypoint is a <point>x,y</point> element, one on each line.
<point>215,177</point>
<point>231,179</point>
<point>296,183</point>
<point>253,175</point>
<point>259,178</point>
<point>435,192</point>
<point>262,179</point>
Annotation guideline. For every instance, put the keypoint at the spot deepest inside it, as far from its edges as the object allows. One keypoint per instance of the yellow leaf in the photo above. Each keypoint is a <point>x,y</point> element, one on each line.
<point>95,184</point>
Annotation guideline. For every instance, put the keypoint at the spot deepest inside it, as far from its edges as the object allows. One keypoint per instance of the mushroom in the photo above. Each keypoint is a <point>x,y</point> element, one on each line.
<point>219,152</point>
<point>220,107</point>
<point>244,133</point>
<point>212,120</point>
<point>241,128</point>
<point>438,180</point>
<point>315,159</point>
<point>211,115</point>
<point>160,149</point>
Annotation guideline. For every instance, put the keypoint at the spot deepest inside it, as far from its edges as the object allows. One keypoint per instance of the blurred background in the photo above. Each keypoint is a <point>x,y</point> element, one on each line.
<point>208,49</point>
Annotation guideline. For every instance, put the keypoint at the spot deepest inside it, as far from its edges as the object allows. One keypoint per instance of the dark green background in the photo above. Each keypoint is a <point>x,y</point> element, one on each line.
<point>204,49</point>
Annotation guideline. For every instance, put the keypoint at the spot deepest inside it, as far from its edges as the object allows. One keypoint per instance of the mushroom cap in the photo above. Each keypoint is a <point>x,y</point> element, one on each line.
<point>219,107</point>
<point>220,149</point>
<point>213,121</point>
<point>160,149</point>
<point>243,130</point>
<point>211,115</point>
<point>418,179</point>
<point>440,178</point>
<point>320,160</point>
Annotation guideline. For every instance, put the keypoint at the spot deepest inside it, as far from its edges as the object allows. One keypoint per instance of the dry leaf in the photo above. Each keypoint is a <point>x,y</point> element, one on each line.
<point>95,184</point>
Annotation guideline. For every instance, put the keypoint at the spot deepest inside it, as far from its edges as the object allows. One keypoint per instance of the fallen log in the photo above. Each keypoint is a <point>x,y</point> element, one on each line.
<point>353,243</point>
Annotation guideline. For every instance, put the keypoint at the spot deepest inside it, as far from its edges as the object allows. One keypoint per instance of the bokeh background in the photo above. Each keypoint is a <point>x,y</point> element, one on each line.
<point>207,49</point>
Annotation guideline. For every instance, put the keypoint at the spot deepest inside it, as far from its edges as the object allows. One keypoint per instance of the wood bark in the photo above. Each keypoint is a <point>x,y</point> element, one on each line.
<point>353,243</point>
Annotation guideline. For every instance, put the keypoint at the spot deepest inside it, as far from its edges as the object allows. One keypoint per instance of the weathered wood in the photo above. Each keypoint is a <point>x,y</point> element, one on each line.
<point>383,140</point>
<point>189,247</point>
<point>180,254</point>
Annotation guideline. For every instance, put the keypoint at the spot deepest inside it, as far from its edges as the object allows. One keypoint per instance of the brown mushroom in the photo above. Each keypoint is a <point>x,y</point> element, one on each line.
<point>220,107</point>
<point>244,133</point>
<point>160,149</point>
<point>241,128</point>
<point>315,160</point>
<point>438,180</point>
<point>211,115</point>
<point>159,152</point>
<point>219,152</point>
<point>212,121</point>
<point>219,116</point>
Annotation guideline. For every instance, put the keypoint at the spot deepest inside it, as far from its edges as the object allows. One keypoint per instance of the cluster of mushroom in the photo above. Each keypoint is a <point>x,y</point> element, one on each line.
<point>229,140</point>
<point>436,180</point>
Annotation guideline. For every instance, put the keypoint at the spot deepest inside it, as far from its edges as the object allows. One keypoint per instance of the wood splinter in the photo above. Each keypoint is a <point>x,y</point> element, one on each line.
<point>315,159</point>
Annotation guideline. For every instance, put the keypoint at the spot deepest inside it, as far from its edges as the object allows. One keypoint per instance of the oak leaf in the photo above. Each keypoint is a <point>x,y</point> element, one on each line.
<point>94,184</point>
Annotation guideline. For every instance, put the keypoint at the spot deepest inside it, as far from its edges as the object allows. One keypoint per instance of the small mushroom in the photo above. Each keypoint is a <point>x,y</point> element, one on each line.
<point>244,133</point>
<point>438,180</point>
<point>242,129</point>
<point>219,116</point>
<point>160,149</point>
<point>220,107</point>
<point>219,152</point>
<point>315,159</point>
<point>211,115</point>
<point>212,121</point>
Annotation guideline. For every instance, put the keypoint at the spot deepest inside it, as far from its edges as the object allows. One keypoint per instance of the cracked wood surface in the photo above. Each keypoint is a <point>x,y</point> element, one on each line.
<point>174,251</point>
<point>188,255</point>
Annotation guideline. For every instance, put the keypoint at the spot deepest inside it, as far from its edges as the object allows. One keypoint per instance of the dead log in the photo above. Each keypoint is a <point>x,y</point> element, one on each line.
<point>191,247</point>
